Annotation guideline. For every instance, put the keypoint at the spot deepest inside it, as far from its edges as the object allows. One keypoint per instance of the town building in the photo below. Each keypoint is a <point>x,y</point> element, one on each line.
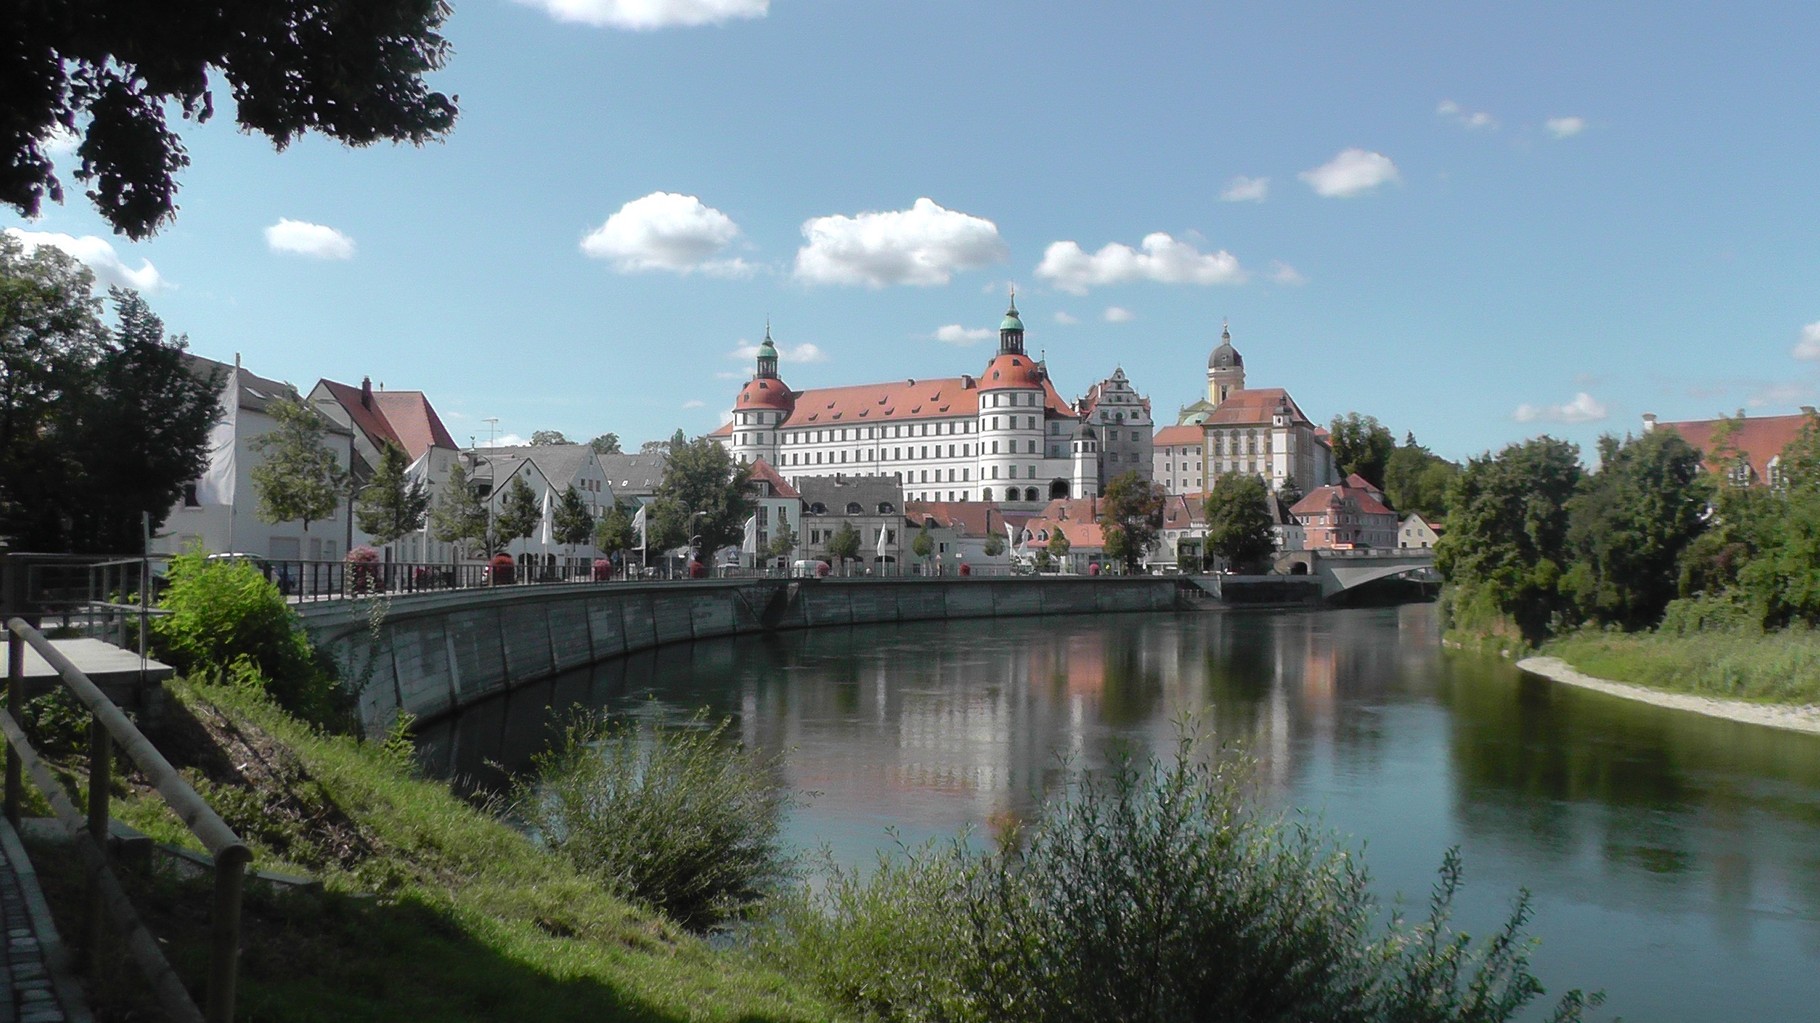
<point>633,478</point>
<point>1261,431</point>
<point>1121,417</point>
<point>558,467</point>
<point>402,419</point>
<point>1417,532</point>
<point>219,511</point>
<point>1006,436</point>
<point>961,530</point>
<point>1178,457</point>
<point>1078,519</point>
<point>872,505</point>
<point>1345,516</point>
<point>777,512</point>
<point>1754,444</point>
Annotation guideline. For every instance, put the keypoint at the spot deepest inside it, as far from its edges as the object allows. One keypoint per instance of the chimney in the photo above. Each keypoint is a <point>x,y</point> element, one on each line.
<point>1649,421</point>
<point>366,392</point>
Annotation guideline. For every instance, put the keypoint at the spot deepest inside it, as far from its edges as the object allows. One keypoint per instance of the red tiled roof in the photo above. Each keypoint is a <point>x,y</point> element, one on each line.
<point>971,518</point>
<point>1176,436</point>
<point>1759,439</point>
<point>865,404</point>
<point>1076,517</point>
<point>764,392</point>
<point>1254,406</point>
<point>1184,511</point>
<point>1320,498</point>
<point>404,418</point>
<point>762,470</point>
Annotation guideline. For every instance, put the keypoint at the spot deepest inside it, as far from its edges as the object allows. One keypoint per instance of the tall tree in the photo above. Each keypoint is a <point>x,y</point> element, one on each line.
<point>783,541</point>
<point>300,478</point>
<point>137,434</point>
<point>393,503</point>
<point>1058,548</point>
<point>1131,518</point>
<point>1801,458</point>
<point>460,517</point>
<point>924,544</point>
<point>605,444</point>
<point>353,72</point>
<point>545,438</point>
<point>1361,444</point>
<point>844,545</point>
<point>1238,520</point>
<point>1416,480</point>
<point>571,521</point>
<point>519,513</point>
<point>613,532</point>
<point>703,493</point>
<point>1506,542</point>
<point>1629,526</point>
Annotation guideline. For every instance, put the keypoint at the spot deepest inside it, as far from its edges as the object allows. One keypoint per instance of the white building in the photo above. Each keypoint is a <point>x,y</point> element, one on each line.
<point>1005,436</point>
<point>1260,431</point>
<point>404,419</point>
<point>1176,461</point>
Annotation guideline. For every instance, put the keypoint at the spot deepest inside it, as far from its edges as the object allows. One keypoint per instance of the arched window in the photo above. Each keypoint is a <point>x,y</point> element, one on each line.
<point>853,508</point>
<point>1029,493</point>
<point>986,494</point>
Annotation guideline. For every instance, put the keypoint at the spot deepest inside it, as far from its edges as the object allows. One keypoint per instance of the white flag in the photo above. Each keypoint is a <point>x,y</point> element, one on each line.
<point>881,543</point>
<point>638,523</point>
<point>750,543</point>
<point>216,487</point>
<point>1010,535</point>
<point>546,535</point>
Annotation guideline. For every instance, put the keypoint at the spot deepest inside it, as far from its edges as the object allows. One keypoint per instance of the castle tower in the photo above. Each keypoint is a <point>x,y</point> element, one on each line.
<point>1011,417</point>
<point>761,408</point>
<point>1085,471</point>
<point>1225,369</point>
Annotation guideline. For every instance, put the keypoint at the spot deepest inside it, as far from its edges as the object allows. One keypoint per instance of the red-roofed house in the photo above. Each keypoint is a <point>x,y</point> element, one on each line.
<point>402,418</point>
<point>1005,436</point>
<point>779,508</point>
<point>964,527</point>
<point>1344,517</point>
<point>1077,519</point>
<point>1260,431</point>
<point>1759,443</point>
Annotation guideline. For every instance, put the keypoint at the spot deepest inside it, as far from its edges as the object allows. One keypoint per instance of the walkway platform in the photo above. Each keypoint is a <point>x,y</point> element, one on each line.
<point>118,672</point>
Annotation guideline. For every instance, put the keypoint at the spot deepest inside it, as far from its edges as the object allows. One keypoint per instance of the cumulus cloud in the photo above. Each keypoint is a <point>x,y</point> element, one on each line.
<point>1244,189</point>
<point>99,256</point>
<point>647,15</point>
<point>1065,319</point>
<point>1565,127</point>
<point>1351,172</point>
<point>1163,260</point>
<point>1809,345</point>
<point>923,245</point>
<point>1584,408</point>
<point>1283,273</point>
<point>666,231</point>
<point>804,352</point>
<point>510,440</point>
<point>1465,118</point>
<point>1118,314</point>
<point>694,403</point>
<point>955,334</point>
<point>302,238</point>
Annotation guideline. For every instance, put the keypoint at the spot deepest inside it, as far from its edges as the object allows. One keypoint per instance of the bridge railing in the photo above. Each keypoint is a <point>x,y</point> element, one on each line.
<point>106,897</point>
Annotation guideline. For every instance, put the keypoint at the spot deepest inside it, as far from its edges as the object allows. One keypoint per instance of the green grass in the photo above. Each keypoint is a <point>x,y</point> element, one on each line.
<point>1775,667</point>
<point>432,909</point>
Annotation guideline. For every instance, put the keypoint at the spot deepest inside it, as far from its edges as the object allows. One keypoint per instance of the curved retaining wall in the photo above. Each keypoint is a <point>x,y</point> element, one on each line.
<point>432,654</point>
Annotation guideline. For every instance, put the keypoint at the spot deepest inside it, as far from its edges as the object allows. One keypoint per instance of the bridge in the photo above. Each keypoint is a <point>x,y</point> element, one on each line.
<point>1340,571</point>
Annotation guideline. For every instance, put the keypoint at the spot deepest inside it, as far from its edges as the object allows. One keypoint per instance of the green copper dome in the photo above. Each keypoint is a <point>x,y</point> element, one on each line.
<point>1011,322</point>
<point>767,350</point>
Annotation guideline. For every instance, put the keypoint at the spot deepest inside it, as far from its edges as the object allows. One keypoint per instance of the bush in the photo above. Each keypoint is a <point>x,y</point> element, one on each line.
<point>1158,893</point>
<point>363,570</point>
<point>675,817</point>
<point>227,619</point>
<point>603,570</point>
<point>501,568</point>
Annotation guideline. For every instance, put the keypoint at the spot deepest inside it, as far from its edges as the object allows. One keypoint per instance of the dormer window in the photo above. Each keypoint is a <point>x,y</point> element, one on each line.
<point>853,508</point>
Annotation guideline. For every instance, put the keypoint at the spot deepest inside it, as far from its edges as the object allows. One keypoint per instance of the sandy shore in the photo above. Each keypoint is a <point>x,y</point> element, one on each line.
<point>1797,719</point>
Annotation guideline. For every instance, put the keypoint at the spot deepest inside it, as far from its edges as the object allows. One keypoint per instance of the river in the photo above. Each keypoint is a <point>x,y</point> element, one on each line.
<point>1674,859</point>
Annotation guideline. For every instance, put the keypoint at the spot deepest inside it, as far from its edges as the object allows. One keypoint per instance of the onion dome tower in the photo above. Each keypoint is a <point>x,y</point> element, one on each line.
<point>1225,368</point>
<point>761,408</point>
<point>1011,414</point>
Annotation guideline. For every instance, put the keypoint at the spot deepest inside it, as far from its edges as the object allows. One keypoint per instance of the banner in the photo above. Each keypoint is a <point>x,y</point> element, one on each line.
<point>216,487</point>
<point>638,525</point>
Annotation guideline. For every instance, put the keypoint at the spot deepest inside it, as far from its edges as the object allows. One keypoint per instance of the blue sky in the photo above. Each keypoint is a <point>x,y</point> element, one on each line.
<point>1476,222</point>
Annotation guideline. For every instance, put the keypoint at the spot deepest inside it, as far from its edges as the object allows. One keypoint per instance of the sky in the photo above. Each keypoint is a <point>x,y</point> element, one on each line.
<point>1478,223</point>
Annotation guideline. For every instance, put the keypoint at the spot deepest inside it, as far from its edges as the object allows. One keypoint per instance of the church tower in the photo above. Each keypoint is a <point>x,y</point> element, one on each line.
<point>1225,369</point>
<point>761,408</point>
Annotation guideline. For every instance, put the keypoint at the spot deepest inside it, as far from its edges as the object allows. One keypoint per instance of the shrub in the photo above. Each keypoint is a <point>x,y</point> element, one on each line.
<point>1157,893</point>
<point>677,818</point>
<point>363,570</point>
<point>603,570</point>
<point>226,618</point>
<point>501,569</point>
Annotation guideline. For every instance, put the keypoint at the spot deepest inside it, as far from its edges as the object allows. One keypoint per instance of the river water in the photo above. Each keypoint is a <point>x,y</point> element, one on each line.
<point>1674,859</point>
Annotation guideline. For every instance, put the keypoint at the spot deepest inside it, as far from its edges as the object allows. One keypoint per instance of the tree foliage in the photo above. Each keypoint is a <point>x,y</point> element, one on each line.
<point>994,546</point>
<point>110,71</point>
<point>571,521</point>
<point>1416,480</point>
<point>613,532</point>
<point>924,544</point>
<point>1629,525</point>
<point>1131,518</point>
<point>1058,547</point>
<point>703,493</point>
<point>1361,444</point>
<point>843,546</point>
<point>300,479</point>
<point>393,503</point>
<point>519,513</point>
<point>783,541</point>
<point>605,444</point>
<point>546,438</point>
<point>460,516</point>
<point>1238,520</point>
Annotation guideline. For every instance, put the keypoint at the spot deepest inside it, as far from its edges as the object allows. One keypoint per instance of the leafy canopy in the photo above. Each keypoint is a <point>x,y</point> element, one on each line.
<point>300,479</point>
<point>1238,519</point>
<point>351,71</point>
<point>571,520</point>
<point>1131,518</point>
<point>393,503</point>
<point>1361,444</point>
<point>703,493</point>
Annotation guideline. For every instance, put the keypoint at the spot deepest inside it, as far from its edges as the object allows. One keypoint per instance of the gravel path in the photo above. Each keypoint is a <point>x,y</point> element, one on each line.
<point>1793,718</point>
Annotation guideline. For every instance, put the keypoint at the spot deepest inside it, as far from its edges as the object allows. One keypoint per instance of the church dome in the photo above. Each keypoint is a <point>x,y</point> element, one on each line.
<point>1011,321</point>
<point>1225,356</point>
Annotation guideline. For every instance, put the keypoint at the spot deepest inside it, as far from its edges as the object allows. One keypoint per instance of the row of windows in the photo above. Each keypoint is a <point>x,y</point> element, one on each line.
<point>998,399</point>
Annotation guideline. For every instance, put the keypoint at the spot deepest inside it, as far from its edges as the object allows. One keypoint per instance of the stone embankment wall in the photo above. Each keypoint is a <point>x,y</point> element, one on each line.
<point>432,654</point>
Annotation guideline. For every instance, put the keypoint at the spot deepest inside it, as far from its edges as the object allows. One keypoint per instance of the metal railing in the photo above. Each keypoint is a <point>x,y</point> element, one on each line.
<point>106,897</point>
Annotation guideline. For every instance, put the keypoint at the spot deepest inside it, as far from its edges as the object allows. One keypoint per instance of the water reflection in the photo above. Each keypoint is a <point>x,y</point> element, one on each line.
<point>1675,859</point>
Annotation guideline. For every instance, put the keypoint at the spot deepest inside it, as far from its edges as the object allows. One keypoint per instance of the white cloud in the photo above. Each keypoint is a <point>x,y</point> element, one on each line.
<point>302,238</point>
<point>666,231</point>
<point>1584,408</point>
<point>694,403</point>
<point>1351,172</point>
<point>1565,127</point>
<point>955,334</point>
<point>1283,273</point>
<point>1065,319</point>
<point>1164,260</point>
<point>923,245</point>
<point>1809,345</point>
<point>804,352</point>
<point>509,440</point>
<point>1244,189</point>
<point>1465,118</point>
<point>99,256</point>
<point>1118,314</point>
<point>646,15</point>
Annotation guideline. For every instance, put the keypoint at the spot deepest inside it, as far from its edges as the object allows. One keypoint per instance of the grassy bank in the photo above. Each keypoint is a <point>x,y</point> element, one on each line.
<point>1776,667</point>
<point>431,908</point>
